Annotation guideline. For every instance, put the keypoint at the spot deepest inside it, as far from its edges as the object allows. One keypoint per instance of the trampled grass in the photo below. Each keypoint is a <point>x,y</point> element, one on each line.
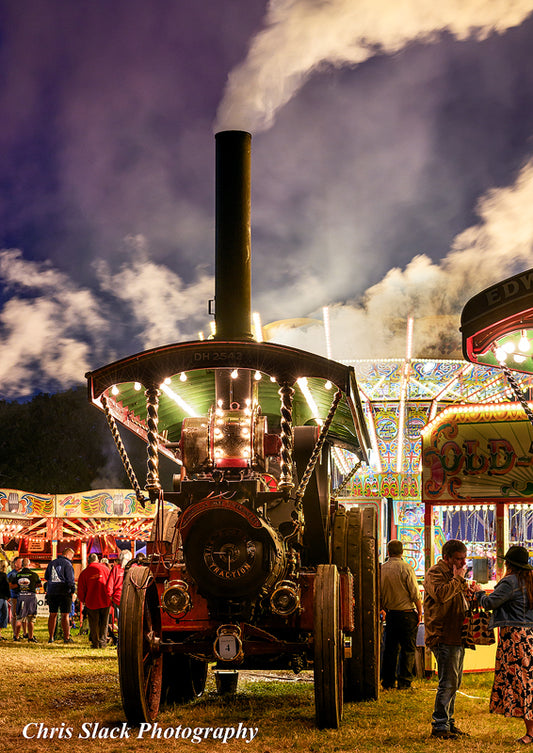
<point>75,688</point>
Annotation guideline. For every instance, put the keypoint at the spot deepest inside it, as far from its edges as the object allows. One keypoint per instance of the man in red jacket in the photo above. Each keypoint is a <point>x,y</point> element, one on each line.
<point>92,592</point>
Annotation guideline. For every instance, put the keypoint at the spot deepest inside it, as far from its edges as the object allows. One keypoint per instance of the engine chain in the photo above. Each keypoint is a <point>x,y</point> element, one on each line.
<point>123,453</point>
<point>317,448</point>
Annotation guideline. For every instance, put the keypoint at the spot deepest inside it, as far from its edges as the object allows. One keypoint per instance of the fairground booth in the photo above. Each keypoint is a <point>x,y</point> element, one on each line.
<point>104,521</point>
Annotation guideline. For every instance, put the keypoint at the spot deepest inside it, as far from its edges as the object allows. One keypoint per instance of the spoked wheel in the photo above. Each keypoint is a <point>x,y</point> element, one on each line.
<point>361,671</point>
<point>140,667</point>
<point>184,678</point>
<point>329,648</point>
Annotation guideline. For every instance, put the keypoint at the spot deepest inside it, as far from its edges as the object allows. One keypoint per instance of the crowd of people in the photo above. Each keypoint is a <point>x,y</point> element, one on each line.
<point>96,593</point>
<point>447,594</point>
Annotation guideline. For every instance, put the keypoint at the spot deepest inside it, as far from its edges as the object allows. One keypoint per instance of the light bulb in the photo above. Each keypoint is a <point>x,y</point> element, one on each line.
<point>524,345</point>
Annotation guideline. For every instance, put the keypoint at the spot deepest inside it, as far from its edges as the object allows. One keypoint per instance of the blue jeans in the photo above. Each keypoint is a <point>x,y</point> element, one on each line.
<point>450,672</point>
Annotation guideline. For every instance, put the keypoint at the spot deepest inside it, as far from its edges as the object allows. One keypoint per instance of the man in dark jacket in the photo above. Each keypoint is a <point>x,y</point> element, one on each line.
<point>60,586</point>
<point>444,611</point>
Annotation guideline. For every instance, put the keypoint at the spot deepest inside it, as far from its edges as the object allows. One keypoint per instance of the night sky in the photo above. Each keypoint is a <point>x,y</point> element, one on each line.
<point>392,170</point>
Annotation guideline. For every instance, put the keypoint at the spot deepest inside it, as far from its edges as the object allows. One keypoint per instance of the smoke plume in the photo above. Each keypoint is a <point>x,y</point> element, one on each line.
<point>434,294</point>
<point>301,36</point>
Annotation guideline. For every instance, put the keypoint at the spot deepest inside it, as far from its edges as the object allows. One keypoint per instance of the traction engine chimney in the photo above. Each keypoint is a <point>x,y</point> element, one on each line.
<point>233,236</point>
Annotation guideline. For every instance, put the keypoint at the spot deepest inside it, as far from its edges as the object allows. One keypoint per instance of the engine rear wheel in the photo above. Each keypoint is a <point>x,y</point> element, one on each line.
<point>140,667</point>
<point>361,671</point>
<point>329,648</point>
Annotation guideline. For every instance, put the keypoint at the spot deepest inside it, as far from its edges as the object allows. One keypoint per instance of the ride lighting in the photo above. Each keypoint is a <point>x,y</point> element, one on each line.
<point>524,345</point>
<point>137,386</point>
<point>183,377</point>
<point>482,413</point>
<point>114,390</point>
<point>497,324</point>
<point>306,392</point>
<point>234,374</point>
<point>257,376</point>
<point>178,399</point>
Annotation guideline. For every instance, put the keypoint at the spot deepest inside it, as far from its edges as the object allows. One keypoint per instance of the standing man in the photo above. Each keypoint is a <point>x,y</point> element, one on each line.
<point>13,592</point>
<point>25,583</point>
<point>60,586</point>
<point>92,591</point>
<point>444,611</point>
<point>400,598</point>
<point>4,597</point>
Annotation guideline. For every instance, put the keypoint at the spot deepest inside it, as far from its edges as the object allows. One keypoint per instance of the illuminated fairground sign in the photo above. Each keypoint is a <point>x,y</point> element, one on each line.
<point>477,453</point>
<point>497,324</point>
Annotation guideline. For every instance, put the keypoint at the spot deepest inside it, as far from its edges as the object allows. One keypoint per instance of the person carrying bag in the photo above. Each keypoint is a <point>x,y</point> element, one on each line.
<point>511,604</point>
<point>477,630</point>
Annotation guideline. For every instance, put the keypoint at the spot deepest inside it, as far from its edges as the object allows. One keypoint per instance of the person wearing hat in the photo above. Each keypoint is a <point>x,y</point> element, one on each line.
<point>511,604</point>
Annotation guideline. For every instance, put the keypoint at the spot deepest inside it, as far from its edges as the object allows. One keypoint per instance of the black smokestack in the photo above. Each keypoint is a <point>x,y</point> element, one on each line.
<point>233,236</point>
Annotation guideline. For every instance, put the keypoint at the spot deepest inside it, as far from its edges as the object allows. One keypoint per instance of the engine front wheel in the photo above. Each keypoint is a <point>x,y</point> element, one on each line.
<point>140,666</point>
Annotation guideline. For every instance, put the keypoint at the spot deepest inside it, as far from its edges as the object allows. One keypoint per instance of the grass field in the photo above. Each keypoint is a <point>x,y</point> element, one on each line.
<point>75,688</point>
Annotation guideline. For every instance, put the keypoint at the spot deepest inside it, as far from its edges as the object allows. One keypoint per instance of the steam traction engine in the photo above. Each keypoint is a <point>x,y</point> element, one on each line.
<point>251,563</point>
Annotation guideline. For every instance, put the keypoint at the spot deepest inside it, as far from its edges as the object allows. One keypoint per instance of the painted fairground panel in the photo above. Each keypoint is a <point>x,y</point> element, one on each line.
<point>474,457</point>
<point>103,503</point>
<point>409,520</point>
<point>14,502</point>
<point>36,520</point>
<point>472,453</point>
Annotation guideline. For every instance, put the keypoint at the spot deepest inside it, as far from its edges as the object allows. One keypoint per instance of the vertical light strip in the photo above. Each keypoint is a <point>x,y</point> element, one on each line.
<point>257,328</point>
<point>306,392</point>
<point>373,436</point>
<point>403,391</point>
<point>177,399</point>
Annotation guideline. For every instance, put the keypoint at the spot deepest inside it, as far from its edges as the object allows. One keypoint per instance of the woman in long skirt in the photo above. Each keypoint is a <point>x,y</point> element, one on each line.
<point>511,603</point>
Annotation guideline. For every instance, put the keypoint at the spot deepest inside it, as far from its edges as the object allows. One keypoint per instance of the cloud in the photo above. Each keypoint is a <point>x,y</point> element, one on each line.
<point>301,36</point>
<point>48,327</point>
<point>163,308</point>
<point>434,294</point>
<point>52,331</point>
